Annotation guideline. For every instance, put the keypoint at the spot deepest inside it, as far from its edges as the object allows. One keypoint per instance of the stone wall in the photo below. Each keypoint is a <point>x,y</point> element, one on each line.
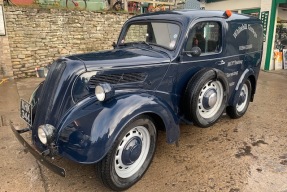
<point>37,36</point>
<point>5,58</point>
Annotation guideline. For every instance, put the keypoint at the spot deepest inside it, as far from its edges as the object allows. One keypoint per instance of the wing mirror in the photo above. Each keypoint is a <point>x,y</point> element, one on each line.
<point>195,51</point>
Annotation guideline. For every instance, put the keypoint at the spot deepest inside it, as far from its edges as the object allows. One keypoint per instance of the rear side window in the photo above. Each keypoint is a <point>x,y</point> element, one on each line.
<point>205,35</point>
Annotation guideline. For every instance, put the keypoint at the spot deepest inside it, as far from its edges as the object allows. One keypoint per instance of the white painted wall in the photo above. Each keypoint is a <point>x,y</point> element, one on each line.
<point>233,5</point>
<point>282,14</point>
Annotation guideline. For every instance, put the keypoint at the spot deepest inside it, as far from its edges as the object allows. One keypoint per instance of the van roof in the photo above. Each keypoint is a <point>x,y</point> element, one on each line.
<point>187,15</point>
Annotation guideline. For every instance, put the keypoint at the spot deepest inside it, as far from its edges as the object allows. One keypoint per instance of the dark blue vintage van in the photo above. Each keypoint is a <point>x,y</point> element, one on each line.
<point>105,108</point>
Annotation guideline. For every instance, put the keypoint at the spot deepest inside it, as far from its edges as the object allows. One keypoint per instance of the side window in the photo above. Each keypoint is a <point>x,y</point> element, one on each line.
<point>206,36</point>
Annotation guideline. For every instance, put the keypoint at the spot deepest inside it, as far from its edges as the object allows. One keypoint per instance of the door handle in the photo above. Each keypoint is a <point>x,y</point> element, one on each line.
<point>220,62</point>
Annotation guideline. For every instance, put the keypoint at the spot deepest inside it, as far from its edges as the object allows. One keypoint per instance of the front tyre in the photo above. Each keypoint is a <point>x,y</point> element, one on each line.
<point>241,107</point>
<point>130,155</point>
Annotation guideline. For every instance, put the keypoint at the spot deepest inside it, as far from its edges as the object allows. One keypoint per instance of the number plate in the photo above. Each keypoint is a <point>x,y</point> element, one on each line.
<point>26,111</point>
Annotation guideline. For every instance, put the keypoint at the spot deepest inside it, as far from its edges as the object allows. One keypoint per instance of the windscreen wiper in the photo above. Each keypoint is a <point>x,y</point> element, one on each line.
<point>144,42</point>
<point>136,42</point>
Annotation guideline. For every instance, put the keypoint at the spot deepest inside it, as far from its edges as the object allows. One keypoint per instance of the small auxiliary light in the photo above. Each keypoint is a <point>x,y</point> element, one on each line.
<point>104,91</point>
<point>227,13</point>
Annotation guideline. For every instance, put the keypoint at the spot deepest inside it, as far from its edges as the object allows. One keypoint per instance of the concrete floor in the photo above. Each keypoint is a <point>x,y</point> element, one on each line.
<point>248,154</point>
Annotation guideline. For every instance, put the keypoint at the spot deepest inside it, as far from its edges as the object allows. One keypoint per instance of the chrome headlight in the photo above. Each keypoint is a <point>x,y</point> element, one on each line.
<point>46,133</point>
<point>104,91</point>
<point>100,93</point>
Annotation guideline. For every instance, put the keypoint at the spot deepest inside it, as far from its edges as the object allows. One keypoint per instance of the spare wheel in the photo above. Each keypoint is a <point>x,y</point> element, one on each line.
<point>205,97</point>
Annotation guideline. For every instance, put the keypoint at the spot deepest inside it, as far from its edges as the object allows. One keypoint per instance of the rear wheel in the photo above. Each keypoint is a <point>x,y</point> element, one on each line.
<point>243,102</point>
<point>130,156</point>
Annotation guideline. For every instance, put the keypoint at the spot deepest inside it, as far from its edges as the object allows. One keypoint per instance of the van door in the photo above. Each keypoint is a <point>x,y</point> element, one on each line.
<point>208,35</point>
<point>204,95</point>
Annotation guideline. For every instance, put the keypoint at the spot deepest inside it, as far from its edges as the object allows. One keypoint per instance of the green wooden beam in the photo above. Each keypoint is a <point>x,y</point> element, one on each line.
<point>269,50</point>
<point>272,27</point>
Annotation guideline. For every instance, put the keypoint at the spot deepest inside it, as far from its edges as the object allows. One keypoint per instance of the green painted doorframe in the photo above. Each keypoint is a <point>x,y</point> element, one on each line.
<point>269,52</point>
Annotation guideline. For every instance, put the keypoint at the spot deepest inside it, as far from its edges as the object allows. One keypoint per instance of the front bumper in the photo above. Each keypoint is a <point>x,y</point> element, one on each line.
<point>58,170</point>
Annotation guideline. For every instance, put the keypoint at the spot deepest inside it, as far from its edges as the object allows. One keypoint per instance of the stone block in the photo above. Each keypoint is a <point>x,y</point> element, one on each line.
<point>21,56</point>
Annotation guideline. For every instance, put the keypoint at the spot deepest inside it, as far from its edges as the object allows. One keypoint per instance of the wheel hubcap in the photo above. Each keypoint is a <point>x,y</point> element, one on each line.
<point>242,98</point>
<point>132,152</point>
<point>210,99</point>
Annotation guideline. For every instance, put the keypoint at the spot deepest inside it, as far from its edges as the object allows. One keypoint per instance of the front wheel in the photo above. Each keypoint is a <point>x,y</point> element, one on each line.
<point>130,155</point>
<point>243,102</point>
